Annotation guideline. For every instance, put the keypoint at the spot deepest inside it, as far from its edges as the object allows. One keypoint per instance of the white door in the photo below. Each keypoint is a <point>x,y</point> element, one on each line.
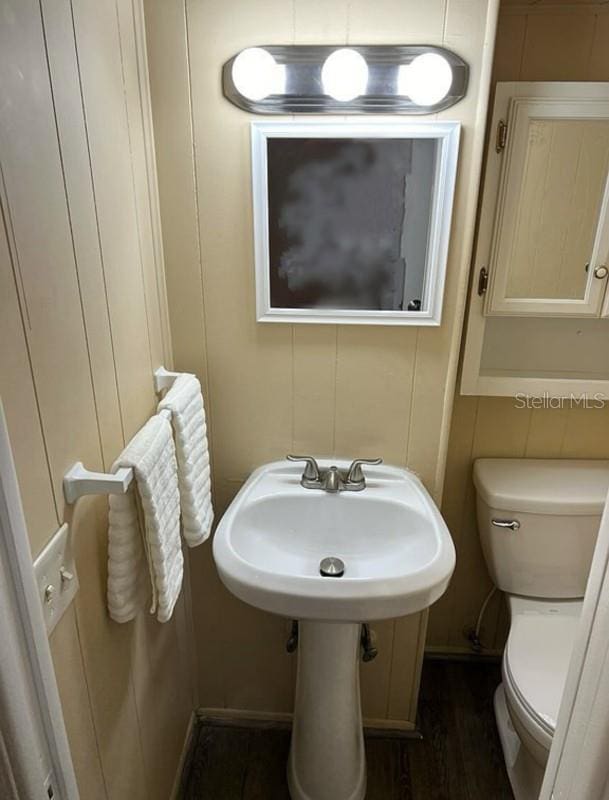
<point>35,761</point>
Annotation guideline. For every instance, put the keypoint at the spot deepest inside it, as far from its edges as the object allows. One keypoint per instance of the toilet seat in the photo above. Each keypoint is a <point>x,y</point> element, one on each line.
<point>535,665</point>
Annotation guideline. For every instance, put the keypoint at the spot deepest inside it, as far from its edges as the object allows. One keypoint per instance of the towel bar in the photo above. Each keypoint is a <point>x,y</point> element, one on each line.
<point>79,481</point>
<point>163,379</point>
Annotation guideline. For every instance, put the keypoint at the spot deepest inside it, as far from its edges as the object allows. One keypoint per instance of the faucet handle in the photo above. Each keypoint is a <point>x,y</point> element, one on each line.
<point>311,470</point>
<point>355,473</point>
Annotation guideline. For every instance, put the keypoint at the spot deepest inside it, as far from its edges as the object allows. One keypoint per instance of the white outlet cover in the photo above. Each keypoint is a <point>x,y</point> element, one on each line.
<point>56,577</point>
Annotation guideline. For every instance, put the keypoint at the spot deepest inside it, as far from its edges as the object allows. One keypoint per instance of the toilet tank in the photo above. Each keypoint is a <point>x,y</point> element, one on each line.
<point>556,507</point>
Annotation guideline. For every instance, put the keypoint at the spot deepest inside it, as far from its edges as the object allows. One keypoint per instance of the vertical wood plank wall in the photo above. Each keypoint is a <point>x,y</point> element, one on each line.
<point>545,42</point>
<point>83,323</point>
<point>274,389</point>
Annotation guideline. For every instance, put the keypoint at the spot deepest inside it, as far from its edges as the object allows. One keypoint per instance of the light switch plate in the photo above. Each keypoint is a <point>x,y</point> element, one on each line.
<point>56,577</point>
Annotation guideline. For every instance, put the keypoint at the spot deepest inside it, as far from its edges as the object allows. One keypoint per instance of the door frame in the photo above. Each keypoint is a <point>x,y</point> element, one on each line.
<point>577,767</point>
<point>34,748</point>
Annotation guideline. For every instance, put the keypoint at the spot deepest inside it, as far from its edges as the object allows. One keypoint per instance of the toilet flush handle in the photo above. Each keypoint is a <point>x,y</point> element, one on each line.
<point>511,524</point>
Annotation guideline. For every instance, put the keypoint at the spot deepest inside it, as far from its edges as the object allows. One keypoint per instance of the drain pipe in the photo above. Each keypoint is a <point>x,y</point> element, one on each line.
<point>368,643</point>
<point>292,642</point>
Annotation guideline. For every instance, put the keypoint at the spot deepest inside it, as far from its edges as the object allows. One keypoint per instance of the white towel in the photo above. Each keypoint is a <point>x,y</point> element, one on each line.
<point>144,549</point>
<point>185,403</point>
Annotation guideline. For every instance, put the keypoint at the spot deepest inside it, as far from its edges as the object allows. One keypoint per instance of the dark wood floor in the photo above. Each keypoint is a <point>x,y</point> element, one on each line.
<point>458,758</point>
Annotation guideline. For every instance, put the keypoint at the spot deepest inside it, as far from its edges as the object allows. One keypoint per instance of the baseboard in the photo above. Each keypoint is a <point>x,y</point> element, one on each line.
<point>239,717</point>
<point>177,781</point>
<point>244,718</point>
<point>461,654</point>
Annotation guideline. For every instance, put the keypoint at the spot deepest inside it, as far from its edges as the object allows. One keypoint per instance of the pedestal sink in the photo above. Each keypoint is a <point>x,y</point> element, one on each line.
<point>398,557</point>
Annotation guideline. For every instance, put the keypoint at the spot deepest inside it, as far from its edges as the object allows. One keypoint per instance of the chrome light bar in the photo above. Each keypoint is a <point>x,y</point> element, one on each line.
<point>368,79</point>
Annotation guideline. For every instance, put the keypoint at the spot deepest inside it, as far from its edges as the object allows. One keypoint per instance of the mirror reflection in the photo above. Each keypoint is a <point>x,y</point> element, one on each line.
<point>349,222</point>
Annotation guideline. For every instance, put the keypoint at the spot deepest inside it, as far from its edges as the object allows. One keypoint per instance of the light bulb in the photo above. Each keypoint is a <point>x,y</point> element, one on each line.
<point>344,74</point>
<point>256,74</point>
<point>426,80</point>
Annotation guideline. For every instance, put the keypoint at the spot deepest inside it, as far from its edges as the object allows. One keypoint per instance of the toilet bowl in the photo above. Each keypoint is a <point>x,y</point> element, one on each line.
<point>534,671</point>
<point>538,521</point>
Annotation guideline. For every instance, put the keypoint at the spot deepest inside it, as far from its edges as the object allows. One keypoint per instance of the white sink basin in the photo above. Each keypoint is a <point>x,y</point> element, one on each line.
<point>397,551</point>
<point>398,558</point>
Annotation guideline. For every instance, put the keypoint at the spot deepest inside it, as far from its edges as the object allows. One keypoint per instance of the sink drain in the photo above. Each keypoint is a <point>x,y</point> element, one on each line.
<point>331,567</point>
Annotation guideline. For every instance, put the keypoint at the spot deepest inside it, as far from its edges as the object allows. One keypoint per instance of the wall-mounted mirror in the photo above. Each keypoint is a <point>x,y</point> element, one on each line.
<point>551,233</point>
<point>352,220</point>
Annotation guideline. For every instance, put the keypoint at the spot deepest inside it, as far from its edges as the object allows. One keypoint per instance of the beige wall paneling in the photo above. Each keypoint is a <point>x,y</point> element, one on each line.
<point>557,46</point>
<point>57,341</point>
<point>43,251</point>
<point>107,656</point>
<point>374,386</point>
<point>458,478</point>
<point>72,135</point>
<point>469,29</point>
<point>511,32</point>
<point>535,43</point>
<point>315,347</point>
<point>181,250</point>
<point>598,65</point>
<point>491,438</point>
<point>586,433</point>
<point>315,387</point>
<point>104,96</point>
<point>250,365</point>
<point>163,698</point>
<point>546,432</point>
<point>150,198</point>
<point>276,388</point>
<point>143,179</point>
<point>78,198</point>
<point>21,409</point>
<point>74,693</point>
<point>158,726</point>
<point>161,654</point>
<point>169,79</point>
<point>396,22</point>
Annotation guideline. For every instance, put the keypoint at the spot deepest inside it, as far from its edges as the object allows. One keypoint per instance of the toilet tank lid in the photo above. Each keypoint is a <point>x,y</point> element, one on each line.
<point>543,486</point>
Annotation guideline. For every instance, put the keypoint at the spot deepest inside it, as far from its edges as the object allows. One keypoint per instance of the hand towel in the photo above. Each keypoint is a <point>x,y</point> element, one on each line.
<point>185,403</point>
<point>144,548</point>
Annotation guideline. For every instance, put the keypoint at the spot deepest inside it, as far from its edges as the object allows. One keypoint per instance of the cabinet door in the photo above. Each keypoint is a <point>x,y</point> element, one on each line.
<point>551,238</point>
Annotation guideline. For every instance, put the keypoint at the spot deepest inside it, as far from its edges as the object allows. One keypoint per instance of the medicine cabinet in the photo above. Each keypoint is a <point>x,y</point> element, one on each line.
<point>539,305</point>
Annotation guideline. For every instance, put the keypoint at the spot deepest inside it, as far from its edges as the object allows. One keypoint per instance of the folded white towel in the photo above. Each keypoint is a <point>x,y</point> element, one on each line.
<point>185,403</point>
<point>144,529</point>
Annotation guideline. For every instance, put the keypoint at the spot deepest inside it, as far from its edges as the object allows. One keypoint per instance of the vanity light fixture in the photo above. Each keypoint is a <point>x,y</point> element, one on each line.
<point>256,74</point>
<point>344,75</point>
<point>359,79</point>
<point>426,80</point>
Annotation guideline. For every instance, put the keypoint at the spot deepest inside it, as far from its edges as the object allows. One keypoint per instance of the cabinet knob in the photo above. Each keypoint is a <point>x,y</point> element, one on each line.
<point>601,272</point>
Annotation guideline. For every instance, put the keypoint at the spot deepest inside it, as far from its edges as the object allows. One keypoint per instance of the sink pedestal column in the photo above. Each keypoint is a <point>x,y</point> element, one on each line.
<point>327,757</point>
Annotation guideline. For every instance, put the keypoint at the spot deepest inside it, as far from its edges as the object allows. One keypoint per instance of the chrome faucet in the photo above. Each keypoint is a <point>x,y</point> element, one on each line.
<point>333,479</point>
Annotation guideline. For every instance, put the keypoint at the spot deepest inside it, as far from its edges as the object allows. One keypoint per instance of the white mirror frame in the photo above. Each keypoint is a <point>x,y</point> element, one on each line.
<point>447,133</point>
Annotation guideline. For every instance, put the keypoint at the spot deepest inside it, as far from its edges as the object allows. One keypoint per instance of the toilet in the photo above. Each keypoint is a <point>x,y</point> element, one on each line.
<point>538,521</point>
